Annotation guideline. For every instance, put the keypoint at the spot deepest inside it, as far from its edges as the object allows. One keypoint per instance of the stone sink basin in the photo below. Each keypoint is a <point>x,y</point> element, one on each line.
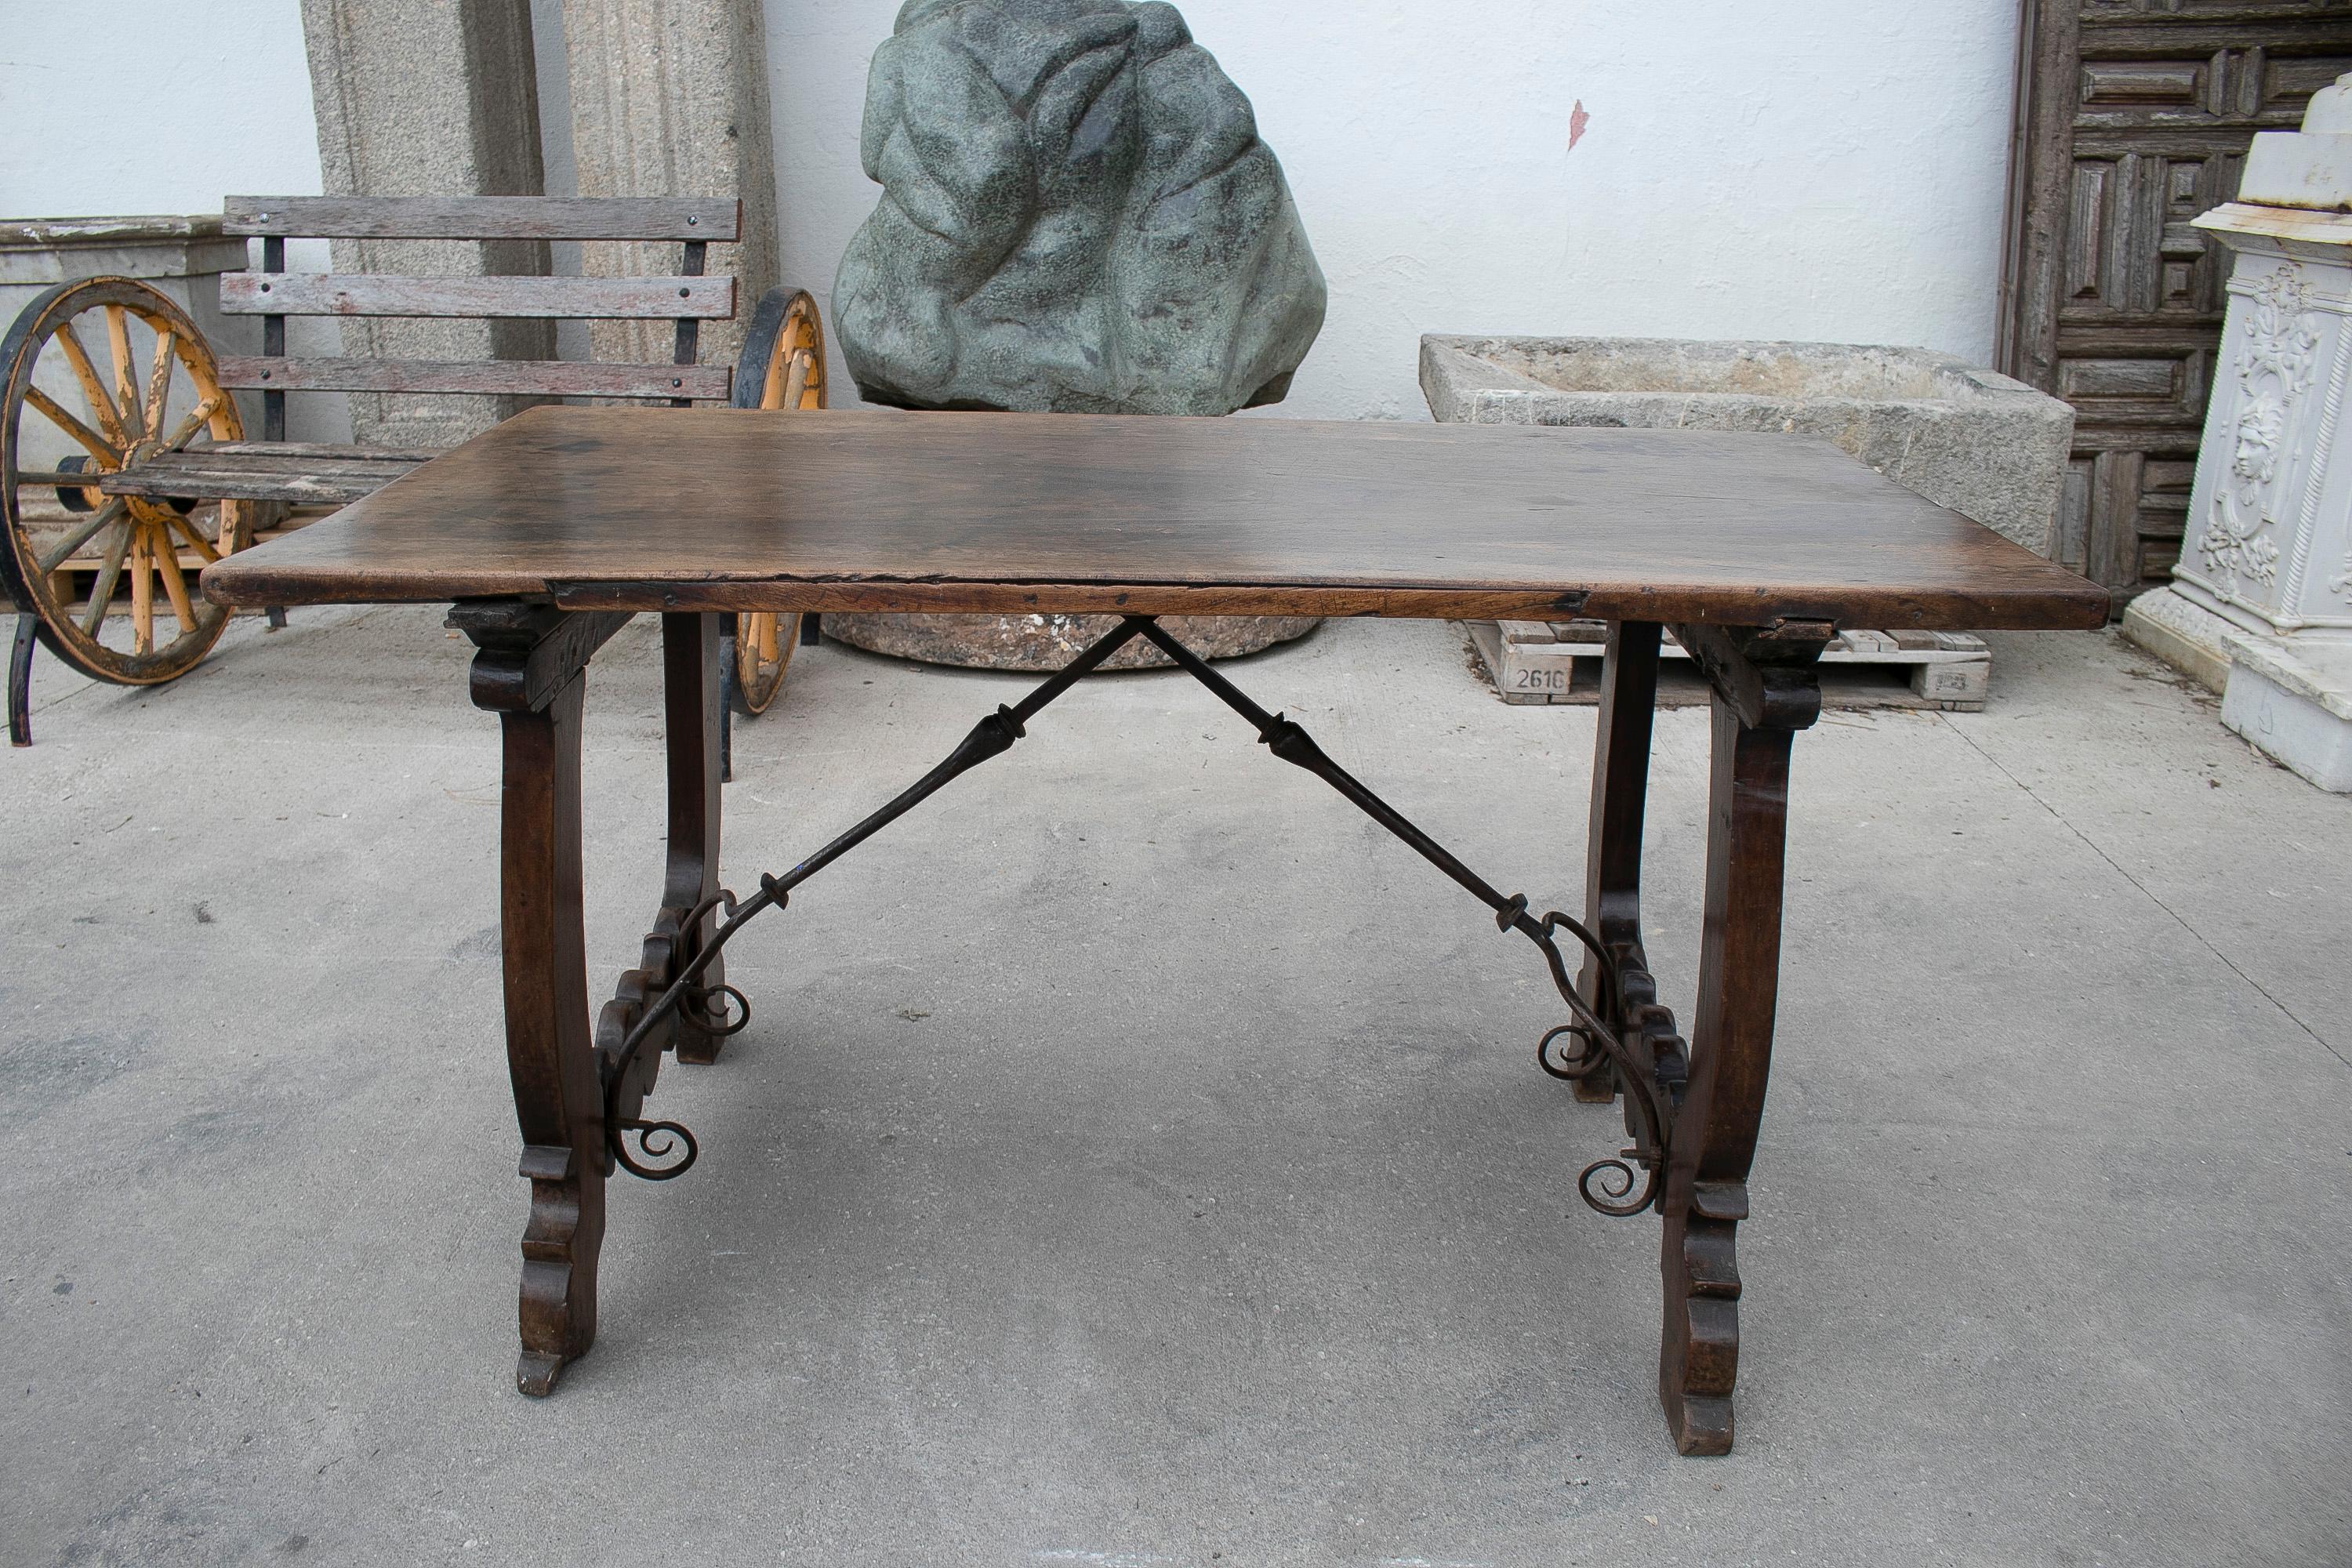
<point>1981,444</point>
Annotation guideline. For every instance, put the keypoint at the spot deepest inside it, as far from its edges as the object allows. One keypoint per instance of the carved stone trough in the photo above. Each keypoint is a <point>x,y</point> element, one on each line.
<point>1964,437</point>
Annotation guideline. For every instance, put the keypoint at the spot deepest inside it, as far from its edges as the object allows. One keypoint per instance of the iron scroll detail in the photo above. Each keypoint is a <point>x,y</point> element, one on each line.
<point>655,1142</point>
<point>1605,1032</point>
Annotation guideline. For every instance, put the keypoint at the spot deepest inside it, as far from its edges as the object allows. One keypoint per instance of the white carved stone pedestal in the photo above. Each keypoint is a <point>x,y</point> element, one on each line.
<point>2261,604</point>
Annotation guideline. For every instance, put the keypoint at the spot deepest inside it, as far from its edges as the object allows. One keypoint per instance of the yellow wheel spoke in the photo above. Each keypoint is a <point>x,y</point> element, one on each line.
<point>107,454</point>
<point>126,380</point>
<point>102,591</point>
<point>195,420</point>
<point>176,584</point>
<point>197,541</point>
<point>159,379</point>
<point>93,391</point>
<point>143,594</point>
<point>104,517</point>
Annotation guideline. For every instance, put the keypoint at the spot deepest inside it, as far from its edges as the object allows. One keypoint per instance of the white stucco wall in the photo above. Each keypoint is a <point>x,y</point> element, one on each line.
<point>1832,169</point>
<point>112,106</point>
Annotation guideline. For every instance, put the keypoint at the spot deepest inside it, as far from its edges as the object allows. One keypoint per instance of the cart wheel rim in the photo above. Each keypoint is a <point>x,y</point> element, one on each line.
<point>764,648</point>
<point>789,370</point>
<point>793,374</point>
<point>149,383</point>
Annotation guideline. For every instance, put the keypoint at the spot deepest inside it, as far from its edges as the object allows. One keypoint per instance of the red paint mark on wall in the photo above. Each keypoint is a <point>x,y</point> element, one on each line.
<point>1576,121</point>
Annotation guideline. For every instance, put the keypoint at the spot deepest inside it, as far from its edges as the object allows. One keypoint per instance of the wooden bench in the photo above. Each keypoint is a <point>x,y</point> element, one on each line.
<point>782,365</point>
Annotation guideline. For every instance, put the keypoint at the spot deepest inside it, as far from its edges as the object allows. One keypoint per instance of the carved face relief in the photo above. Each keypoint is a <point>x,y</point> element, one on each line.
<point>2261,423</point>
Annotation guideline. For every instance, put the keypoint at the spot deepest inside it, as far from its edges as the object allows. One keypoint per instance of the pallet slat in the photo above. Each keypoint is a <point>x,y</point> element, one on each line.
<point>389,294</point>
<point>549,378</point>
<point>485,217</point>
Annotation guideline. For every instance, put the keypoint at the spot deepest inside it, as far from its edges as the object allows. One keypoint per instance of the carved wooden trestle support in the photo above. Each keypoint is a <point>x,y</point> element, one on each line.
<point>529,670</point>
<point>1690,1110</point>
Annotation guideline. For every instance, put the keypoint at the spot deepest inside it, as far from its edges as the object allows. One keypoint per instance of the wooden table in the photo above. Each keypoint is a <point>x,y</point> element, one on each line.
<point>549,532</point>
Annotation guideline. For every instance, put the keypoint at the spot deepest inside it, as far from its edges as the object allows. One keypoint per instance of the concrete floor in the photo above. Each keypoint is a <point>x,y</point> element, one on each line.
<point>1137,1158</point>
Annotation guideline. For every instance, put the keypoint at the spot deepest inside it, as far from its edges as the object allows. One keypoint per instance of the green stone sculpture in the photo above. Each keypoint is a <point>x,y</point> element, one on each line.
<point>1076,216</point>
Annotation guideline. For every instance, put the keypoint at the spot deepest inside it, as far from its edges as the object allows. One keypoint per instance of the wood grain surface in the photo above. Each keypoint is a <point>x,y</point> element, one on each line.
<point>485,217</point>
<point>302,473</point>
<point>390,294</point>
<point>1012,513</point>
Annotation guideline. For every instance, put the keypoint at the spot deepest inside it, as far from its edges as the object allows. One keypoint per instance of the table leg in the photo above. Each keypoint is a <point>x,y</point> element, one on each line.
<point>1765,693</point>
<point>559,1099</point>
<point>530,671</point>
<point>692,701</point>
<point>1613,852</point>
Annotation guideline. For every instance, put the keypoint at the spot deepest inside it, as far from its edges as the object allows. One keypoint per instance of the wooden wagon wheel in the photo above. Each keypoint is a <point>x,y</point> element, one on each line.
<point>783,366</point>
<point>151,387</point>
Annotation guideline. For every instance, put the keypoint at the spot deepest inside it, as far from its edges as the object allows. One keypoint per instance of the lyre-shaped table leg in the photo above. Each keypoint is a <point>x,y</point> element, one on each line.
<point>559,1099</point>
<point>530,671</point>
<point>1766,691</point>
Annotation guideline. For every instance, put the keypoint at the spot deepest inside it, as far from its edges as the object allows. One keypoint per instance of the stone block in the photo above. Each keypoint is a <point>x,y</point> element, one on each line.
<point>1964,437</point>
<point>2294,700</point>
<point>2186,636</point>
<point>669,97</point>
<point>429,100</point>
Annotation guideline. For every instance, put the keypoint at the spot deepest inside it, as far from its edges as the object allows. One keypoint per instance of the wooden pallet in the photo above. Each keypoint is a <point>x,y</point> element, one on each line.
<point>1560,661</point>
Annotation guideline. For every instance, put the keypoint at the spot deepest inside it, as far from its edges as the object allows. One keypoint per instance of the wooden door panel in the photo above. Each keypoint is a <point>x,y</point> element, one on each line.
<point>2131,252</point>
<point>2133,116</point>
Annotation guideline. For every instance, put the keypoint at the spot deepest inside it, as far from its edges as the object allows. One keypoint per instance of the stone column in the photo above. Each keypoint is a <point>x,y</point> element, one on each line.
<point>669,97</point>
<point>2261,603</point>
<point>429,97</point>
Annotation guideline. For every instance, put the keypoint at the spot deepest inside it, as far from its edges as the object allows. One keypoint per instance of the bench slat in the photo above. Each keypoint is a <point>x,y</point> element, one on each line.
<point>382,294</point>
<point>315,449</point>
<point>485,217</point>
<point>221,473</point>
<point>552,378</point>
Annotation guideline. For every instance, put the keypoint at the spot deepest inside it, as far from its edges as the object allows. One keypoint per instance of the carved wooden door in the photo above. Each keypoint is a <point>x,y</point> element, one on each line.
<point>2133,117</point>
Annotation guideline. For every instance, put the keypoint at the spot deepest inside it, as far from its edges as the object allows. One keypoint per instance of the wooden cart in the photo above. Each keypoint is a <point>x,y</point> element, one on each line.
<point>103,543</point>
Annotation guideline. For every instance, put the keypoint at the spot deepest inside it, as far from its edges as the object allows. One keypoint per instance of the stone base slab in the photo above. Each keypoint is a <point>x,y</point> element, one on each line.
<point>2189,637</point>
<point>2295,704</point>
<point>1046,643</point>
<point>2293,700</point>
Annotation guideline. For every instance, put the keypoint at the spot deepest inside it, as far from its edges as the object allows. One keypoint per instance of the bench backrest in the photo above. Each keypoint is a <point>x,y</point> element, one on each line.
<point>689,297</point>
